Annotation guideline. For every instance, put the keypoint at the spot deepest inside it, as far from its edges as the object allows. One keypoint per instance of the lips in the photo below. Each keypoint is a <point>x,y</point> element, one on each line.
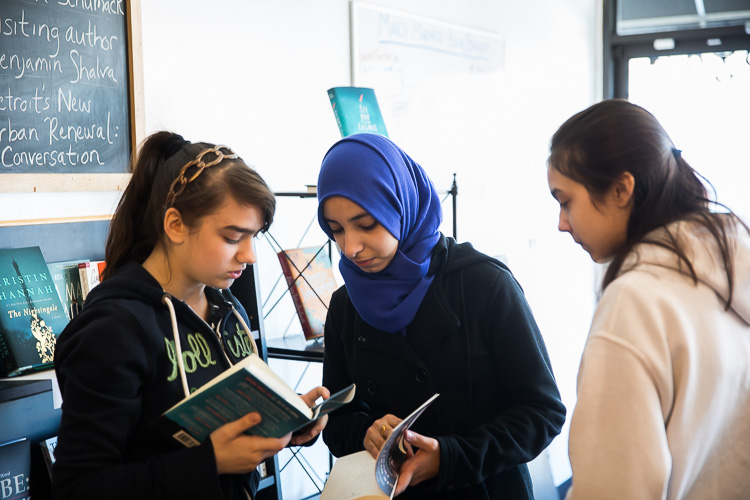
<point>364,263</point>
<point>235,274</point>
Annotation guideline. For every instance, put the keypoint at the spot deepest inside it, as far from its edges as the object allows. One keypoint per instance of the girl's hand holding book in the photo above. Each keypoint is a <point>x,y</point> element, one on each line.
<point>239,453</point>
<point>311,431</point>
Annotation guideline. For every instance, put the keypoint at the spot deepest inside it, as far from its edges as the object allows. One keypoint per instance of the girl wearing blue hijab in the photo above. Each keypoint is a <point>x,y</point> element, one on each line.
<point>420,314</point>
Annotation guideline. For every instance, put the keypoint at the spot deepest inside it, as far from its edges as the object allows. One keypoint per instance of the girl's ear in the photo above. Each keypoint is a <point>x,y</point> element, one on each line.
<point>623,189</point>
<point>174,227</point>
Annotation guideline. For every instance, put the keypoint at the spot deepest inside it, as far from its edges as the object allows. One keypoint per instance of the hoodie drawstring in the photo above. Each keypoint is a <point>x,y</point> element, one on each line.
<point>175,334</point>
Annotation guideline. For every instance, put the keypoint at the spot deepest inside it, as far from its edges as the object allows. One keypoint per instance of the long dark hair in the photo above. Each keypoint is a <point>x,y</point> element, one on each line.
<point>597,145</point>
<point>138,223</point>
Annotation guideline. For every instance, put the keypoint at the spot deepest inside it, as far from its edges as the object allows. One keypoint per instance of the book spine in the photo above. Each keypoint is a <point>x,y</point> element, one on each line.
<point>84,276</point>
<point>286,268</point>
<point>336,105</point>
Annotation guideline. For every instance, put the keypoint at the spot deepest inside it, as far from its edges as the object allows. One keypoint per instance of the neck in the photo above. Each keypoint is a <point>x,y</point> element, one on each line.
<point>158,265</point>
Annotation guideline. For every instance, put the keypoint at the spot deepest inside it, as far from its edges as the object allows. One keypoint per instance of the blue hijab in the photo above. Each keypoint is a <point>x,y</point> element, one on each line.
<point>377,175</point>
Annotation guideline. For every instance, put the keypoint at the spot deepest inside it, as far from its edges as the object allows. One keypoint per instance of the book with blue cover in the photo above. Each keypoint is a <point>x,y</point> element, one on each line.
<point>248,386</point>
<point>356,110</point>
<point>31,313</point>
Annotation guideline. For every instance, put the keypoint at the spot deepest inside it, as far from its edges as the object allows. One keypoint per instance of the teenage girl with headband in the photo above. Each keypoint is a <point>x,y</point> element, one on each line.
<point>160,325</point>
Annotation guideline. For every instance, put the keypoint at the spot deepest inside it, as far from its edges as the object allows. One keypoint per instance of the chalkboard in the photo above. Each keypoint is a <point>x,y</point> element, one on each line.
<point>59,240</point>
<point>64,87</point>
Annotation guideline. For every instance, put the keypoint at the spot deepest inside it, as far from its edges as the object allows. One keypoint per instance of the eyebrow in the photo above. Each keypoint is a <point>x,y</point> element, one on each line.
<point>554,193</point>
<point>356,217</point>
<point>239,229</point>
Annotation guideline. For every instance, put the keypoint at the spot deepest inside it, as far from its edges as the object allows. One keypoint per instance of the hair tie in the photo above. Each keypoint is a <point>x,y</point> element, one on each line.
<point>173,145</point>
<point>677,153</point>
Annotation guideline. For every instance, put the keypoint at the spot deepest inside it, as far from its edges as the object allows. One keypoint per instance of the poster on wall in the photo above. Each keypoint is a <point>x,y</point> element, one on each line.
<point>64,87</point>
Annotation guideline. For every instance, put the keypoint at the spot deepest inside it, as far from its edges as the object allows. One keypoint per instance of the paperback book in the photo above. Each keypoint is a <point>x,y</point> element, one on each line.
<point>68,283</point>
<point>248,386</point>
<point>311,283</point>
<point>360,477</point>
<point>356,110</point>
<point>32,315</point>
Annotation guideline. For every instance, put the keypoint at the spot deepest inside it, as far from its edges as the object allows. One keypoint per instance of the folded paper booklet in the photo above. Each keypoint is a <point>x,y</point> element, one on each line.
<point>360,477</point>
<point>248,386</point>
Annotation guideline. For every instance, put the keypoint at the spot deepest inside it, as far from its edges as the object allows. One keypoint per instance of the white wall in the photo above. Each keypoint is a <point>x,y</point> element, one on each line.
<point>253,75</point>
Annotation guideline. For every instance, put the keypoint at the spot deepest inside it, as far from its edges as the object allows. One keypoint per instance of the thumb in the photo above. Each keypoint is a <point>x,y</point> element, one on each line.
<point>242,424</point>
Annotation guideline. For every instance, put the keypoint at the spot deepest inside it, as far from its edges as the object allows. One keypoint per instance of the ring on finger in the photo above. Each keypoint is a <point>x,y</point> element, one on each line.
<point>383,429</point>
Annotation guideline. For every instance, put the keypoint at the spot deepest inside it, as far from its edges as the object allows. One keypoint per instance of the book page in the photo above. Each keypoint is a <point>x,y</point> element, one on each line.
<point>353,478</point>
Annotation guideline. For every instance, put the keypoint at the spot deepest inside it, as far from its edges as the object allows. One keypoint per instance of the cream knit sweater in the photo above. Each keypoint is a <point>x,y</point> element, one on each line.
<point>663,407</point>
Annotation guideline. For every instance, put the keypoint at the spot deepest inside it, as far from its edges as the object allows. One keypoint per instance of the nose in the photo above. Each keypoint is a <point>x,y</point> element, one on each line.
<point>246,251</point>
<point>352,245</point>
<point>563,224</point>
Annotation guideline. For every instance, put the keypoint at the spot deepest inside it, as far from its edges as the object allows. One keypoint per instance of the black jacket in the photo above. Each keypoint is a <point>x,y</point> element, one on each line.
<point>474,341</point>
<point>117,370</point>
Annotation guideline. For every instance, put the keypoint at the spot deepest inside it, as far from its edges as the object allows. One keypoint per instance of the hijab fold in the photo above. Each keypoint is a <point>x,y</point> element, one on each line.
<point>374,173</point>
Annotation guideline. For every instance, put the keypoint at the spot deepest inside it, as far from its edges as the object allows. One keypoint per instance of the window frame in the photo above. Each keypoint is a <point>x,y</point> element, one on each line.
<point>619,49</point>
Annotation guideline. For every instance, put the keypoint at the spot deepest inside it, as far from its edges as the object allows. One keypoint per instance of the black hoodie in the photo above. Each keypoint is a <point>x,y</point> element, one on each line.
<point>117,370</point>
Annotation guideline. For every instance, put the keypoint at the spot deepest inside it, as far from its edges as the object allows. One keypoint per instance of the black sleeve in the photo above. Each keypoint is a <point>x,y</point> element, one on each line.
<point>103,363</point>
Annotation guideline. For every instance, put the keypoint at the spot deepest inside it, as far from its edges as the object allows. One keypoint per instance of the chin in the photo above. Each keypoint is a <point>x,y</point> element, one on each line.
<point>225,283</point>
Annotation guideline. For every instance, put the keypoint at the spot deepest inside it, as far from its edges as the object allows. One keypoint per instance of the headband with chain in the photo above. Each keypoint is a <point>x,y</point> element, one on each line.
<point>179,184</point>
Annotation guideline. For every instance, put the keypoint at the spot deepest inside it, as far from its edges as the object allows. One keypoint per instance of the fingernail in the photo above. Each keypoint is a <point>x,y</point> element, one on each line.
<point>409,435</point>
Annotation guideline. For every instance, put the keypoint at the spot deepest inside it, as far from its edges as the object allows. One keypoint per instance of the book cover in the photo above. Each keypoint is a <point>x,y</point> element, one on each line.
<point>15,468</point>
<point>31,313</point>
<point>311,283</point>
<point>248,386</point>
<point>356,110</point>
<point>68,283</point>
<point>360,477</point>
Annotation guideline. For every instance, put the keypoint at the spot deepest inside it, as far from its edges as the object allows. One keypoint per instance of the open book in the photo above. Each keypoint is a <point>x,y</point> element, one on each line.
<point>360,477</point>
<point>248,386</point>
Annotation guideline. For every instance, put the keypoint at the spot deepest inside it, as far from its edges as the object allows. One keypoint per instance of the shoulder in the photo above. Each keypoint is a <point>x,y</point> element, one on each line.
<point>340,297</point>
<point>476,268</point>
